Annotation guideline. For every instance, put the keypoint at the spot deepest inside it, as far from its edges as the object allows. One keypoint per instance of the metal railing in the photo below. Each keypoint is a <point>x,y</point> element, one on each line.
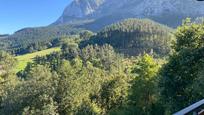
<point>195,109</point>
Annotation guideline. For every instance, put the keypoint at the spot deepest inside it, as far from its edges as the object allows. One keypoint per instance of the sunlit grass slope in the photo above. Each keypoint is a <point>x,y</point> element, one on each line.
<point>24,59</point>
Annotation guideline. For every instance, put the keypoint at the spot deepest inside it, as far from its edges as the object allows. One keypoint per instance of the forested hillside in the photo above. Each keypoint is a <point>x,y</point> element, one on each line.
<point>135,36</point>
<point>97,80</point>
<point>94,15</point>
<point>101,57</point>
<point>35,39</point>
<point>131,37</point>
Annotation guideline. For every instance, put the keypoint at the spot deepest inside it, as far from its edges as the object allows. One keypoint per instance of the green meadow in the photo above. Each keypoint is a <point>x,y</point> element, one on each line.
<point>23,60</point>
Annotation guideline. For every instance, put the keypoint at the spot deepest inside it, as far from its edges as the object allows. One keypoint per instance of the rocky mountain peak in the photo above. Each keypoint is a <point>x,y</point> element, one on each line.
<point>158,10</point>
<point>79,9</point>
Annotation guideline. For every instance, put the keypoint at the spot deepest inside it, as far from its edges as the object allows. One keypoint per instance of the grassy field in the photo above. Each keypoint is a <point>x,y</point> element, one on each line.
<point>24,59</point>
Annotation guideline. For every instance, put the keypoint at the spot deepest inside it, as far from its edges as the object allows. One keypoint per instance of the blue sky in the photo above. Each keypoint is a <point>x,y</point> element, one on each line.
<point>18,14</point>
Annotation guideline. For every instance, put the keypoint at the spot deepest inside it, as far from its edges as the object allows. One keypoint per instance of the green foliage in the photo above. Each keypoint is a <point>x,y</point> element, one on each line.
<point>30,40</point>
<point>23,60</point>
<point>181,75</point>
<point>146,68</point>
<point>70,50</point>
<point>86,35</point>
<point>95,80</point>
<point>48,108</point>
<point>101,56</point>
<point>189,36</point>
<point>88,108</point>
<point>56,85</point>
<point>144,94</point>
<point>134,36</point>
<point>7,62</point>
<point>8,80</point>
<point>31,93</point>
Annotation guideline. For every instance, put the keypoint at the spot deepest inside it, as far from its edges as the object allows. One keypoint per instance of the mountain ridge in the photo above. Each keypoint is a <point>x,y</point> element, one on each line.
<point>94,15</point>
<point>157,10</point>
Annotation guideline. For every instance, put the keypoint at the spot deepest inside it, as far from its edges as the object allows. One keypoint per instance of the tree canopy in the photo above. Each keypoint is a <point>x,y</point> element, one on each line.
<point>134,37</point>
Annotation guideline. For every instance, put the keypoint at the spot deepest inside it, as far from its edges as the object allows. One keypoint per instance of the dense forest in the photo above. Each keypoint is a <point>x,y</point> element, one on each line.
<point>96,79</point>
<point>130,37</point>
<point>135,36</point>
<point>34,39</point>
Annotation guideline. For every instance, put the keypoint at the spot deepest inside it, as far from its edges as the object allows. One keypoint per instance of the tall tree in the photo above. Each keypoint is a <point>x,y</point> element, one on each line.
<point>8,80</point>
<point>182,72</point>
<point>143,95</point>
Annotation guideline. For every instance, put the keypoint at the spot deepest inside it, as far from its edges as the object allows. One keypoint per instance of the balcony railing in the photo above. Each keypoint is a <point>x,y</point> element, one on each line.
<point>195,109</point>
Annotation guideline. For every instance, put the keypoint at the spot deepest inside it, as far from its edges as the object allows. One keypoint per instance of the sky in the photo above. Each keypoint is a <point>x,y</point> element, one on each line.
<point>18,14</point>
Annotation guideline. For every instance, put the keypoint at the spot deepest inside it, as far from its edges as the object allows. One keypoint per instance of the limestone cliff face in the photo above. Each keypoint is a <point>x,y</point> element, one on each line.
<point>80,9</point>
<point>159,10</point>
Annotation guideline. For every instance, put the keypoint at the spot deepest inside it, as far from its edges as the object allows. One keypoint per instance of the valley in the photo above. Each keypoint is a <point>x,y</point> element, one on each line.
<point>104,57</point>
